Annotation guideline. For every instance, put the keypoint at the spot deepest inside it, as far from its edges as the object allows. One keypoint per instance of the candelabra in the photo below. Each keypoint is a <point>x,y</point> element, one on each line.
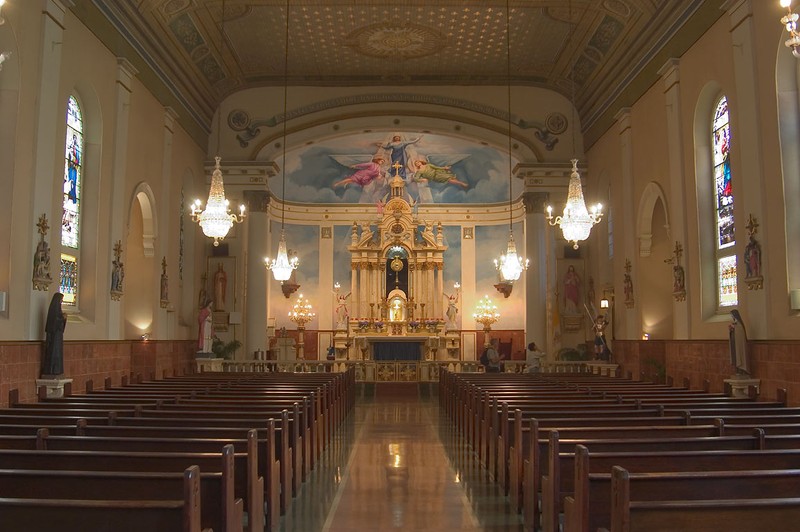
<point>486,313</point>
<point>301,314</point>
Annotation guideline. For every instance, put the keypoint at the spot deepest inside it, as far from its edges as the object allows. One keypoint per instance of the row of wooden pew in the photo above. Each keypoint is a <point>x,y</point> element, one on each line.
<point>583,452</point>
<point>222,452</point>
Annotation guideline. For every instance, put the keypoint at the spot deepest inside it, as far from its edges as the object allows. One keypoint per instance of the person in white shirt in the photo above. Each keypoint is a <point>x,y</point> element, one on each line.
<point>533,358</point>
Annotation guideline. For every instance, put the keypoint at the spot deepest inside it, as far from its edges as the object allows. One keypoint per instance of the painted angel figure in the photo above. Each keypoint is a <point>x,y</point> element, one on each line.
<point>429,172</point>
<point>367,171</point>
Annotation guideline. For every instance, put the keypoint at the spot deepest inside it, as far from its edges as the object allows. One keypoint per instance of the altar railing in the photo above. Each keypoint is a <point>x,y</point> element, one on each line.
<point>394,371</point>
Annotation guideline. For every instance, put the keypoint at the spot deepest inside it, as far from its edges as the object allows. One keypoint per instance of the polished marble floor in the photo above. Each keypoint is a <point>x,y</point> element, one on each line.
<point>396,464</point>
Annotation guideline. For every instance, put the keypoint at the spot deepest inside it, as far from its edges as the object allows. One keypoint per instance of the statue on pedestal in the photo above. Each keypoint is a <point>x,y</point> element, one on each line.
<point>204,332</point>
<point>53,359</point>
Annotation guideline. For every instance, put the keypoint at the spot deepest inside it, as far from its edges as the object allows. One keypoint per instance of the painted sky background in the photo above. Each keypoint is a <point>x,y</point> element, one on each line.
<point>312,170</point>
<point>491,242</point>
<point>304,241</point>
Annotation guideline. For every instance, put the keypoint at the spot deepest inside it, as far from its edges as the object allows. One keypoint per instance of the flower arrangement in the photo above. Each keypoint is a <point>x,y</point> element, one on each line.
<point>378,324</point>
<point>413,325</point>
<point>363,323</point>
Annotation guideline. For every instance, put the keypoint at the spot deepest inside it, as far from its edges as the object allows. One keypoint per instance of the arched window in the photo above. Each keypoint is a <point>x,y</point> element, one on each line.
<point>725,254</point>
<point>71,203</point>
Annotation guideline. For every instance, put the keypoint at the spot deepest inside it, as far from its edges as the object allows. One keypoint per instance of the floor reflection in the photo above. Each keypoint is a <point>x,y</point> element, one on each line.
<point>397,465</point>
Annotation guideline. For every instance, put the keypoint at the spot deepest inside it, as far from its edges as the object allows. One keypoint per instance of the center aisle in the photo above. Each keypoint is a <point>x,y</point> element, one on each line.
<point>404,470</point>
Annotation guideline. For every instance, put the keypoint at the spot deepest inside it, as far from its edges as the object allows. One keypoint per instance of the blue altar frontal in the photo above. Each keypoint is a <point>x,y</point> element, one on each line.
<point>386,348</point>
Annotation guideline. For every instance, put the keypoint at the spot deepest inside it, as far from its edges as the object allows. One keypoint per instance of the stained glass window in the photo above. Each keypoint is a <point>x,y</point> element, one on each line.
<point>69,279</point>
<point>71,202</point>
<point>73,170</point>
<point>727,295</point>
<point>722,174</point>
<point>726,281</point>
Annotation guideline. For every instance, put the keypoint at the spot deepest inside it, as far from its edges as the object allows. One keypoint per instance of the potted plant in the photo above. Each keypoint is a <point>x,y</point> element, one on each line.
<point>224,350</point>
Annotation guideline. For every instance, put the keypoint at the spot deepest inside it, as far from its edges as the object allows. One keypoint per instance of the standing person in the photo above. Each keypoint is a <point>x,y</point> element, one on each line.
<point>572,287</point>
<point>533,358</point>
<point>599,328</point>
<point>53,360</point>
<point>493,355</point>
<point>204,328</point>
<point>737,338</point>
<point>220,286</point>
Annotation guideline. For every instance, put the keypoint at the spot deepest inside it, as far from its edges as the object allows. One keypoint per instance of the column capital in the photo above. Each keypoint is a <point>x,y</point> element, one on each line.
<point>256,200</point>
<point>535,202</point>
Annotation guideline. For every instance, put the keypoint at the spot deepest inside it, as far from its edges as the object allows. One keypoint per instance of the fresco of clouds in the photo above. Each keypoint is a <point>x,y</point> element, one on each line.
<point>493,240</point>
<point>480,173</point>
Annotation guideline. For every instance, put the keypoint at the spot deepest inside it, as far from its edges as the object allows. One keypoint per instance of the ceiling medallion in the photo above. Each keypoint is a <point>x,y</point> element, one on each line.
<point>405,40</point>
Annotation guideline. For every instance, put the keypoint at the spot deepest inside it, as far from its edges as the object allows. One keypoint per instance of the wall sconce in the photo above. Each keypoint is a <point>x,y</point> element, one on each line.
<point>645,336</point>
<point>604,303</point>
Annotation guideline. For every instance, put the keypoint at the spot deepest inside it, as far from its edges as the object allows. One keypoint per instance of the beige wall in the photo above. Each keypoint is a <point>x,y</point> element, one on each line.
<point>90,71</point>
<point>705,71</point>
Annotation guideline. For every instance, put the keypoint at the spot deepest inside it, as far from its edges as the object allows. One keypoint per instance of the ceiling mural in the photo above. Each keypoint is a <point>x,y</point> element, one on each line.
<point>358,168</point>
<point>200,54</point>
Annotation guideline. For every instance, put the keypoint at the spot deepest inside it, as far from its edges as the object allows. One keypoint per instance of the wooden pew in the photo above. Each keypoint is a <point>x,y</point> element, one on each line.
<point>182,513</point>
<point>590,506</point>
<point>731,515</point>
<point>557,464</point>
<point>247,484</point>
<point>219,509</point>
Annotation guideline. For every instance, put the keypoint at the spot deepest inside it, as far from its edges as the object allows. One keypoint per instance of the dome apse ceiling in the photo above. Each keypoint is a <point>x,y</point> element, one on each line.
<point>615,51</point>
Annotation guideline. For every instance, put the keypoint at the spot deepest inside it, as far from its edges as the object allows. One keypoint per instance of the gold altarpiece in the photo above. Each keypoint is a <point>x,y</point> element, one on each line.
<point>397,285</point>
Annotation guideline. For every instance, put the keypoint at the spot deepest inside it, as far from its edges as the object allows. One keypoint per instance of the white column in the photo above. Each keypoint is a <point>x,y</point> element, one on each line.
<point>125,74</point>
<point>670,74</point>
<point>47,169</point>
<point>747,177</point>
<point>325,267</point>
<point>163,323</point>
<point>354,297</point>
<point>256,284</point>
<point>536,230</point>
<point>630,317</point>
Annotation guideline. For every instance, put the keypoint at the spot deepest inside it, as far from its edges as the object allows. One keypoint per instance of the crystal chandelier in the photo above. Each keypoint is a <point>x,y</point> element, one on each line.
<point>576,222</point>
<point>282,265</point>
<point>301,312</point>
<point>216,220</point>
<point>510,265</point>
<point>486,313</point>
<point>790,23</point>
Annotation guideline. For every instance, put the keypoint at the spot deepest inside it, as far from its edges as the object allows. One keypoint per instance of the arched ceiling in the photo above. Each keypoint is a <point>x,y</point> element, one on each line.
<point>191,54</point>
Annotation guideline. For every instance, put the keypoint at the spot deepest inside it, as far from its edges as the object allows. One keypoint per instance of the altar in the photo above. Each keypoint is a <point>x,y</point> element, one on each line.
<point>397,312</point>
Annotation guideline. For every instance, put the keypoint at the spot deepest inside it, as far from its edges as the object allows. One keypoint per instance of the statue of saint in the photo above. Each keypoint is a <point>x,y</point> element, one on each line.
<point>452,310</point>
<point>204,333</point>
<point>220,287</point>
<point>53,360</point>
<point>572,290</point>
<point>737,338</point>
<point>342,314</point>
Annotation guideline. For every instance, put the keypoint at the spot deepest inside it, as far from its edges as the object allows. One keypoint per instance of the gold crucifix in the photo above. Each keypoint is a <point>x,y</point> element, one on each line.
<point>752,225</point>
<point>397,166</point>
<point>42,225</point>
<point>117,249</point>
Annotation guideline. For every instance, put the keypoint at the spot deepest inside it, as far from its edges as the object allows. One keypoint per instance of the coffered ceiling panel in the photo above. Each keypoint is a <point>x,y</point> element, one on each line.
<point>203,53</point>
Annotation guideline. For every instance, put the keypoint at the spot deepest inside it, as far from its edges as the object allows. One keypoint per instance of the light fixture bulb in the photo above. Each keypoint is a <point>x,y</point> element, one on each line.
<point>282,265</point>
